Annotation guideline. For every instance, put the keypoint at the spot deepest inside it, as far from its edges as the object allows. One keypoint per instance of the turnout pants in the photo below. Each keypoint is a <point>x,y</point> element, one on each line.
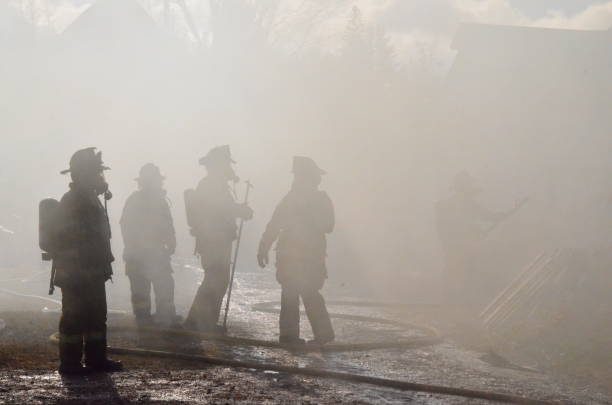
<point>82,325</point>
<point>162,282</point>
<point>316,311</point>
<point>216,261</point>
<point>461,281</point>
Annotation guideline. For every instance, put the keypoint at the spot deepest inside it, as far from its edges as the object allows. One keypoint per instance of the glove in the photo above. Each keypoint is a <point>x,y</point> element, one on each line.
<point>245,212</point>
<point>263,259</point>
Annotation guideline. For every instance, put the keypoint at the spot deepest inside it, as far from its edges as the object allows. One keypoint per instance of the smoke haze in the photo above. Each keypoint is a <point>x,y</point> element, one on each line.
<point>368,89</point>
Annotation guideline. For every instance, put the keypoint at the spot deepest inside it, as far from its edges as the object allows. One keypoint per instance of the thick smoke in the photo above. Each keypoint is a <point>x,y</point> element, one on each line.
<point>391,102</point>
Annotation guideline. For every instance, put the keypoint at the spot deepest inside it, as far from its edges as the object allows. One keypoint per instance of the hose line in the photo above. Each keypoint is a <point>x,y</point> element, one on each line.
<point>432,337</point>
<point>316,372</point>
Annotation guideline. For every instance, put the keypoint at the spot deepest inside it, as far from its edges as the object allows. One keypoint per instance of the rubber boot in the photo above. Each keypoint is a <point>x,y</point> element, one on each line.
<point>145,321</point>
<point>96,360</point>
<point>70,359</point>
<point>291,340</point>
<point>321,340</point>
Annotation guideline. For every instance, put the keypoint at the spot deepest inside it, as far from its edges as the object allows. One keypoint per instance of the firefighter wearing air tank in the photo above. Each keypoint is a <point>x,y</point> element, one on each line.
<point>149,242</point>
<point>300,223</point>
<point>211,214</point>
<point>82,260</point>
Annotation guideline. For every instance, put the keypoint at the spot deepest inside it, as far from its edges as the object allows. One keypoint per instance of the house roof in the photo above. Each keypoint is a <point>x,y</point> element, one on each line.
<point>114,22</point>
<point>531,51</point>
<point>490,36</point>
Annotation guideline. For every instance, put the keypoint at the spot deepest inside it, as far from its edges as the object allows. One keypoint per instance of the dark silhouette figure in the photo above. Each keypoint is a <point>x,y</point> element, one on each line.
<point>150,241</point>
<point>300,223</point>
<point>212,214</point>
<point>462,224</point>
<point>82,260</point>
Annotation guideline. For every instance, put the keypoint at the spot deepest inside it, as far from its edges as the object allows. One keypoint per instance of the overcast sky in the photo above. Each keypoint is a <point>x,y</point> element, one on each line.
<point>550,12</point>
<point>411,25</point>
<point>539,8</point>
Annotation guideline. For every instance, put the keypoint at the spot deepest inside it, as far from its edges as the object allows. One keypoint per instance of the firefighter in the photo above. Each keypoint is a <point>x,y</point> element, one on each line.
<point>462,225</point>
<point>82,260</point>
<point>212,218</point>
<point>150,241</point>
<point>300,223</point>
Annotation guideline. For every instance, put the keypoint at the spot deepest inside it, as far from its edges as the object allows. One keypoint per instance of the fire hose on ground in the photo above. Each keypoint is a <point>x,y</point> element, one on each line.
<point>431,338</point>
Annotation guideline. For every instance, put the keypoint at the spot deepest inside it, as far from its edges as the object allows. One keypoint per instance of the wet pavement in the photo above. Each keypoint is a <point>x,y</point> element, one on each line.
<point>447,363</point>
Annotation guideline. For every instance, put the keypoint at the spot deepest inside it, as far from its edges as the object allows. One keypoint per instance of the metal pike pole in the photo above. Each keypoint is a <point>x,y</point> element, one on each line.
<point>229,292</point>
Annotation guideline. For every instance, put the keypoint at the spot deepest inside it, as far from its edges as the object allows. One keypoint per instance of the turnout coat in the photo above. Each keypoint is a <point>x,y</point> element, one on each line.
<point>215,215</point>
<point>83,251</point>
<point>300,223</point>
<point>148,232</point>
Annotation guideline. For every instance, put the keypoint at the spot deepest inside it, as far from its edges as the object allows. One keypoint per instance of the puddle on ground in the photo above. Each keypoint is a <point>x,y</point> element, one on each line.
<point>441,364</point>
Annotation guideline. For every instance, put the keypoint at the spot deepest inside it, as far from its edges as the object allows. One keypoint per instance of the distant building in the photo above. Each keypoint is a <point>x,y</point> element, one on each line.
<point>531,109</point>
<point>114,26</point>
<point>116,71</point>
<point>118,36</point>
<point>562,75</point>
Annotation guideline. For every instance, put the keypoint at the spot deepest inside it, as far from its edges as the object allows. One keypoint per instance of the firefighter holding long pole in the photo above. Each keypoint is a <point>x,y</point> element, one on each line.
<point>235,259</point>
<point>212,213</point>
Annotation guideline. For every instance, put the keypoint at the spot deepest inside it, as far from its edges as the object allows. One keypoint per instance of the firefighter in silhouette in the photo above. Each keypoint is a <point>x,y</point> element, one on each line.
<point>211,214</point>
<point>82,262</point>
<point>300,223</point>
<point>462,224</point>
<point>149,239</point>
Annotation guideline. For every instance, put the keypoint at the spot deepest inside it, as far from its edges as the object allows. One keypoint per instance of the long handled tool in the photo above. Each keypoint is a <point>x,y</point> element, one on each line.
<point>518,206</point>
<point>229,292</point>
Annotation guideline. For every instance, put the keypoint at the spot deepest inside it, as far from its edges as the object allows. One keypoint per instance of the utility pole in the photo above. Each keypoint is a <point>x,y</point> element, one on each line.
<point>168,22</point>
<point>189,20</point>
<point>167,13</point>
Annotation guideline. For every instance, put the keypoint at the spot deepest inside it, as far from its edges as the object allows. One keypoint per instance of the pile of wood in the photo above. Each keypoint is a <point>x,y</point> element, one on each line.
<point>529,291</point>
<point>556,313</point>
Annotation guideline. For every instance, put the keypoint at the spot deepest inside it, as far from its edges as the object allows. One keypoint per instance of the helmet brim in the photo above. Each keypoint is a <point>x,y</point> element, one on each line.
<point>150,178</point>
<point>70,170</point>
<point>206,160</point>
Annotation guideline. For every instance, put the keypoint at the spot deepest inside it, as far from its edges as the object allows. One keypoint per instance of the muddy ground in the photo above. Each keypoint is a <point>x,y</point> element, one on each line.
<point>28,361</point>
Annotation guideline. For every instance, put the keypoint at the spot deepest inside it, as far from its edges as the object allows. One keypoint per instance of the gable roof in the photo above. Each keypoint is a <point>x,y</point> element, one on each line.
<point>496,45</point>
<point>114,23</point>
<point>470,36</point>
<point>497,54</point>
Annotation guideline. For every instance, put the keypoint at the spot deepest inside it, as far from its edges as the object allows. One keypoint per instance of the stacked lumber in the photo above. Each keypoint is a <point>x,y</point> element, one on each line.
<point>524,295</point>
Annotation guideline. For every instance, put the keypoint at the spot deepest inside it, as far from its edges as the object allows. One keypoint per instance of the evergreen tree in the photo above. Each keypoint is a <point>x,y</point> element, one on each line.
<point>357,50</point>
<point>383,53</point>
